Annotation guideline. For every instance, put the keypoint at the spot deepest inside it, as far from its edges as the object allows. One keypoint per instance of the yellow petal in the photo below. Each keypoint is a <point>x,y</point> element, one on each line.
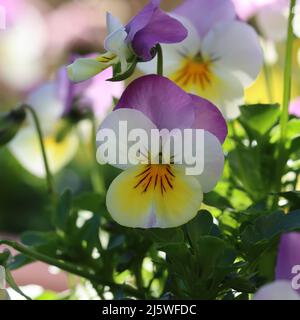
<point>26,148</point>
<point>159,196</point>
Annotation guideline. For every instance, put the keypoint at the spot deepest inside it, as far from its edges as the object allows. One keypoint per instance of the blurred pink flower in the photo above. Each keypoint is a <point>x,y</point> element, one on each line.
<point>95,93</point>
<point>247,8</point>
<point>295,107</point>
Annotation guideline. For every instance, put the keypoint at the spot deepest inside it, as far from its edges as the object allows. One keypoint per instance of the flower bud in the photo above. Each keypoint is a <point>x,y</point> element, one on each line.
<point>10,123</point>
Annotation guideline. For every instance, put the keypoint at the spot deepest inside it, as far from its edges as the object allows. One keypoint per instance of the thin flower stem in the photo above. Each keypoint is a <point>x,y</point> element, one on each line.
<point>97,179</point>
<point>286,98</point>
<point>160,60</point>
<point>43,150</point>
<point>66,266</point>
<point>268,80</point>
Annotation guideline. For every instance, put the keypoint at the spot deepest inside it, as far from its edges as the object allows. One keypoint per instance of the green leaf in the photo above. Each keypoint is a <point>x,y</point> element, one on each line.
<point>63,210</point>
<point>260,117</point>
<point>267,227</point>
<point>91,201</point>
<point>209,251</point>
<point>35,238</point>
<point>200,226</point>
<point>241,284</point>
<point>90,233</point>
<point>163,237</point>
<point>214,199</point>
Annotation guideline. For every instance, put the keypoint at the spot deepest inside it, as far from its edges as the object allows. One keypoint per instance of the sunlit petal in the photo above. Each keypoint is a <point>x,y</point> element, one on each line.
<point>26,149</point>
<point>161,199</point>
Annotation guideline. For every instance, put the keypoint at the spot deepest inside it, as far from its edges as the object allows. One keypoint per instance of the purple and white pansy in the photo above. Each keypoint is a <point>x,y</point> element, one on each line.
<point>125,45</point>
<point>164,195</point>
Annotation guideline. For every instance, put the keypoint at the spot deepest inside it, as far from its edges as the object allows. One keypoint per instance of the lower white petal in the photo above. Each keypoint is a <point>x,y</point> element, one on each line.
<point>213,162</point>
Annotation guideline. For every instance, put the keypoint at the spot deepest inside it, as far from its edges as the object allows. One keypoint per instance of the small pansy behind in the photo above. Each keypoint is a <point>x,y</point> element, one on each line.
<point>156,194</point>
<point>126,45</point>
<point>220,57</point>
<point>55,102</point>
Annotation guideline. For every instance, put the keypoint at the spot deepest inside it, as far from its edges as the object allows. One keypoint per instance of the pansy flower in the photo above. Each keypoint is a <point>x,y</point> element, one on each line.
<point>52,101</point>
<point>220,57</point>
<point>156,194</point>
<point>287,278</point>
<point>127,44</point>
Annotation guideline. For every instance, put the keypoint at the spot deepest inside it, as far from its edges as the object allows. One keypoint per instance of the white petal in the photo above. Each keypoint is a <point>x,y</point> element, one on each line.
<point>277,290</point>
<point>116,43</point>
<point>273,23</point>
<point>47,105</point>
<point>112,23</point>
<point>85,68</point>
<point>213,162</point>
<point>132,119</point>
<point>296,22</point>
<point>173,54</point>
<point>235,46</point>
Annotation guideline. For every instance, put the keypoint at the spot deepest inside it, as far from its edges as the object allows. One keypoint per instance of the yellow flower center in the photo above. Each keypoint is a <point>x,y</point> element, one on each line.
<point>194,71</point>
<point>155,176</point>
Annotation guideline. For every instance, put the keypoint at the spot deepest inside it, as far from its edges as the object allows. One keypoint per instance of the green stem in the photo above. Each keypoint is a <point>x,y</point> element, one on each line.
<point>268,80</point>
<point>14,286</point>
<point>41,140</point>
<point>286,98</point>
<point>187,237</point>
<point>160,60</point>
<point>97,179</point>
<point>79,271</point>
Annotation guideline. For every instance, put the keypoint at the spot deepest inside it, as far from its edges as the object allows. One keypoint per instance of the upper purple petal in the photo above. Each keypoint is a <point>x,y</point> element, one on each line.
<point>161,100</point>
<point>204,14</point>
<point>209,118</point>
<point>152,26</point>
<point>140,21</point>
<point>288,256</point>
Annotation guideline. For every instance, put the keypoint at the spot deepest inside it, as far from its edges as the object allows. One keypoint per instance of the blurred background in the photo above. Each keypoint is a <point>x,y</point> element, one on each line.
<point>38,39</point>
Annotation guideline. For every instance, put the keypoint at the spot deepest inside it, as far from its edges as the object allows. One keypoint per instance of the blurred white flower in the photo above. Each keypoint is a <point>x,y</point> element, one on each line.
<point>22,47</point>
<point>26,147</point>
